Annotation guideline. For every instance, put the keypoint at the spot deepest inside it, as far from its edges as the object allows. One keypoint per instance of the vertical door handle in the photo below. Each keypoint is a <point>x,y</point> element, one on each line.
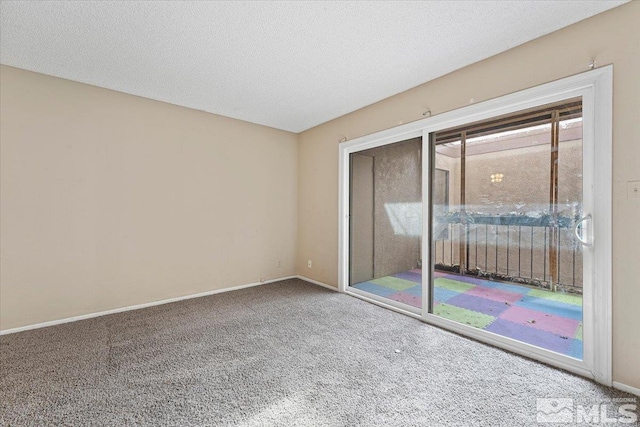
<point>577,231</point>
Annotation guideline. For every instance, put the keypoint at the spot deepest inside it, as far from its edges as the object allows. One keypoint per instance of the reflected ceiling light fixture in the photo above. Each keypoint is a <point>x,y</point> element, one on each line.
<point>497,177</point>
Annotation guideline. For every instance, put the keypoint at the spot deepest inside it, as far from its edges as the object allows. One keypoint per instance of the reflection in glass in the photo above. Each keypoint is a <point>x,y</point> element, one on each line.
<point>511,264</point>
<point>385,227</point>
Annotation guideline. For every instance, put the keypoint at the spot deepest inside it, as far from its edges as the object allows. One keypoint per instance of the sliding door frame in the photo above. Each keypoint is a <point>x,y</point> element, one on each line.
<point>378,139</point>
<point>595,88</point>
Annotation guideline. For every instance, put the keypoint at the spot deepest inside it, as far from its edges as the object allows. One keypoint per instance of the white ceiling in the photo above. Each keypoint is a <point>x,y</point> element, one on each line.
<point>288,65</point>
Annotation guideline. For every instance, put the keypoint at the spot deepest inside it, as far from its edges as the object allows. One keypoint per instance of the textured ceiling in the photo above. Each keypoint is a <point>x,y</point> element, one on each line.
<point>288,65</point>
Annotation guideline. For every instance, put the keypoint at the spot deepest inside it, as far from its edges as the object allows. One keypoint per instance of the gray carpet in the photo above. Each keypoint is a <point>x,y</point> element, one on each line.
<point>287,353</point>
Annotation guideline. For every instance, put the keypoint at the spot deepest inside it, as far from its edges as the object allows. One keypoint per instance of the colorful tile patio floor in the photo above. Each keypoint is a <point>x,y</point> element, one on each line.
<point>545,319</point>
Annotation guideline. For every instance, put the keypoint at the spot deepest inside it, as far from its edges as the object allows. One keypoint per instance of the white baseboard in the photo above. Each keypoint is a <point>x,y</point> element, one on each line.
<point>138,306</point>
<point>315,282</point>
<point>626,388</point>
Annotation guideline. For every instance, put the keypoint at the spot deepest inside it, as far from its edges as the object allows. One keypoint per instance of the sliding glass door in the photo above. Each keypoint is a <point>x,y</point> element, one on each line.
<point>492,221</point>
<point>506,253</point>
<point>386,223</point>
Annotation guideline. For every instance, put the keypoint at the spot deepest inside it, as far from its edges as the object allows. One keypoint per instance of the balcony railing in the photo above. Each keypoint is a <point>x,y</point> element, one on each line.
<point>534,250</point>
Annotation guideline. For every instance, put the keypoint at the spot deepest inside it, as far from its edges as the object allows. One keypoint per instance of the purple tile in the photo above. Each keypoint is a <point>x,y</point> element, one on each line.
<point>481,305</point>
<point>531,336</point>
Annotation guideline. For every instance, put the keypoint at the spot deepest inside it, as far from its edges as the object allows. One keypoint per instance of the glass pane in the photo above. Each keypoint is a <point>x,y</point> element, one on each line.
<point>510,263</point>
<point>386,222</point>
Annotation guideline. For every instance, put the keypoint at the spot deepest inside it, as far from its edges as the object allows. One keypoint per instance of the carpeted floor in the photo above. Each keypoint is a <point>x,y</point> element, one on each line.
<point>545,319</point>
<point>287,353</point>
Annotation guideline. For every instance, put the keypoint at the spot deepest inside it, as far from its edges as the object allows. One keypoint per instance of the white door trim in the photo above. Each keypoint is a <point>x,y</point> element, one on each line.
<point>595,87</point>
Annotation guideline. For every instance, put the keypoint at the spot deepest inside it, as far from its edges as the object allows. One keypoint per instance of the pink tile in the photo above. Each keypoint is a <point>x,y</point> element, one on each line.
<point>543,321</point>
<point>494,294</point>
<point>406,298</point>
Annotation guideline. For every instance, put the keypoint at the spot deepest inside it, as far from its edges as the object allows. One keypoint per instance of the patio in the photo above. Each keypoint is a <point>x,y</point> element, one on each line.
<point>551,320</point>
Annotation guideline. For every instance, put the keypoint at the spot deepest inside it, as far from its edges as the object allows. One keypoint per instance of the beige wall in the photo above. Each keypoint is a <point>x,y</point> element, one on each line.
<point>94,183</point>
<point>110,200</point>
<point>610,38</point>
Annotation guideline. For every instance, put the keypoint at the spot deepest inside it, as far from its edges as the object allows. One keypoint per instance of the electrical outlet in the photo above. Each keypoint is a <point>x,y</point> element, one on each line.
<point>309,263</point>
<point>633,190</point>
<point>279,263</point>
